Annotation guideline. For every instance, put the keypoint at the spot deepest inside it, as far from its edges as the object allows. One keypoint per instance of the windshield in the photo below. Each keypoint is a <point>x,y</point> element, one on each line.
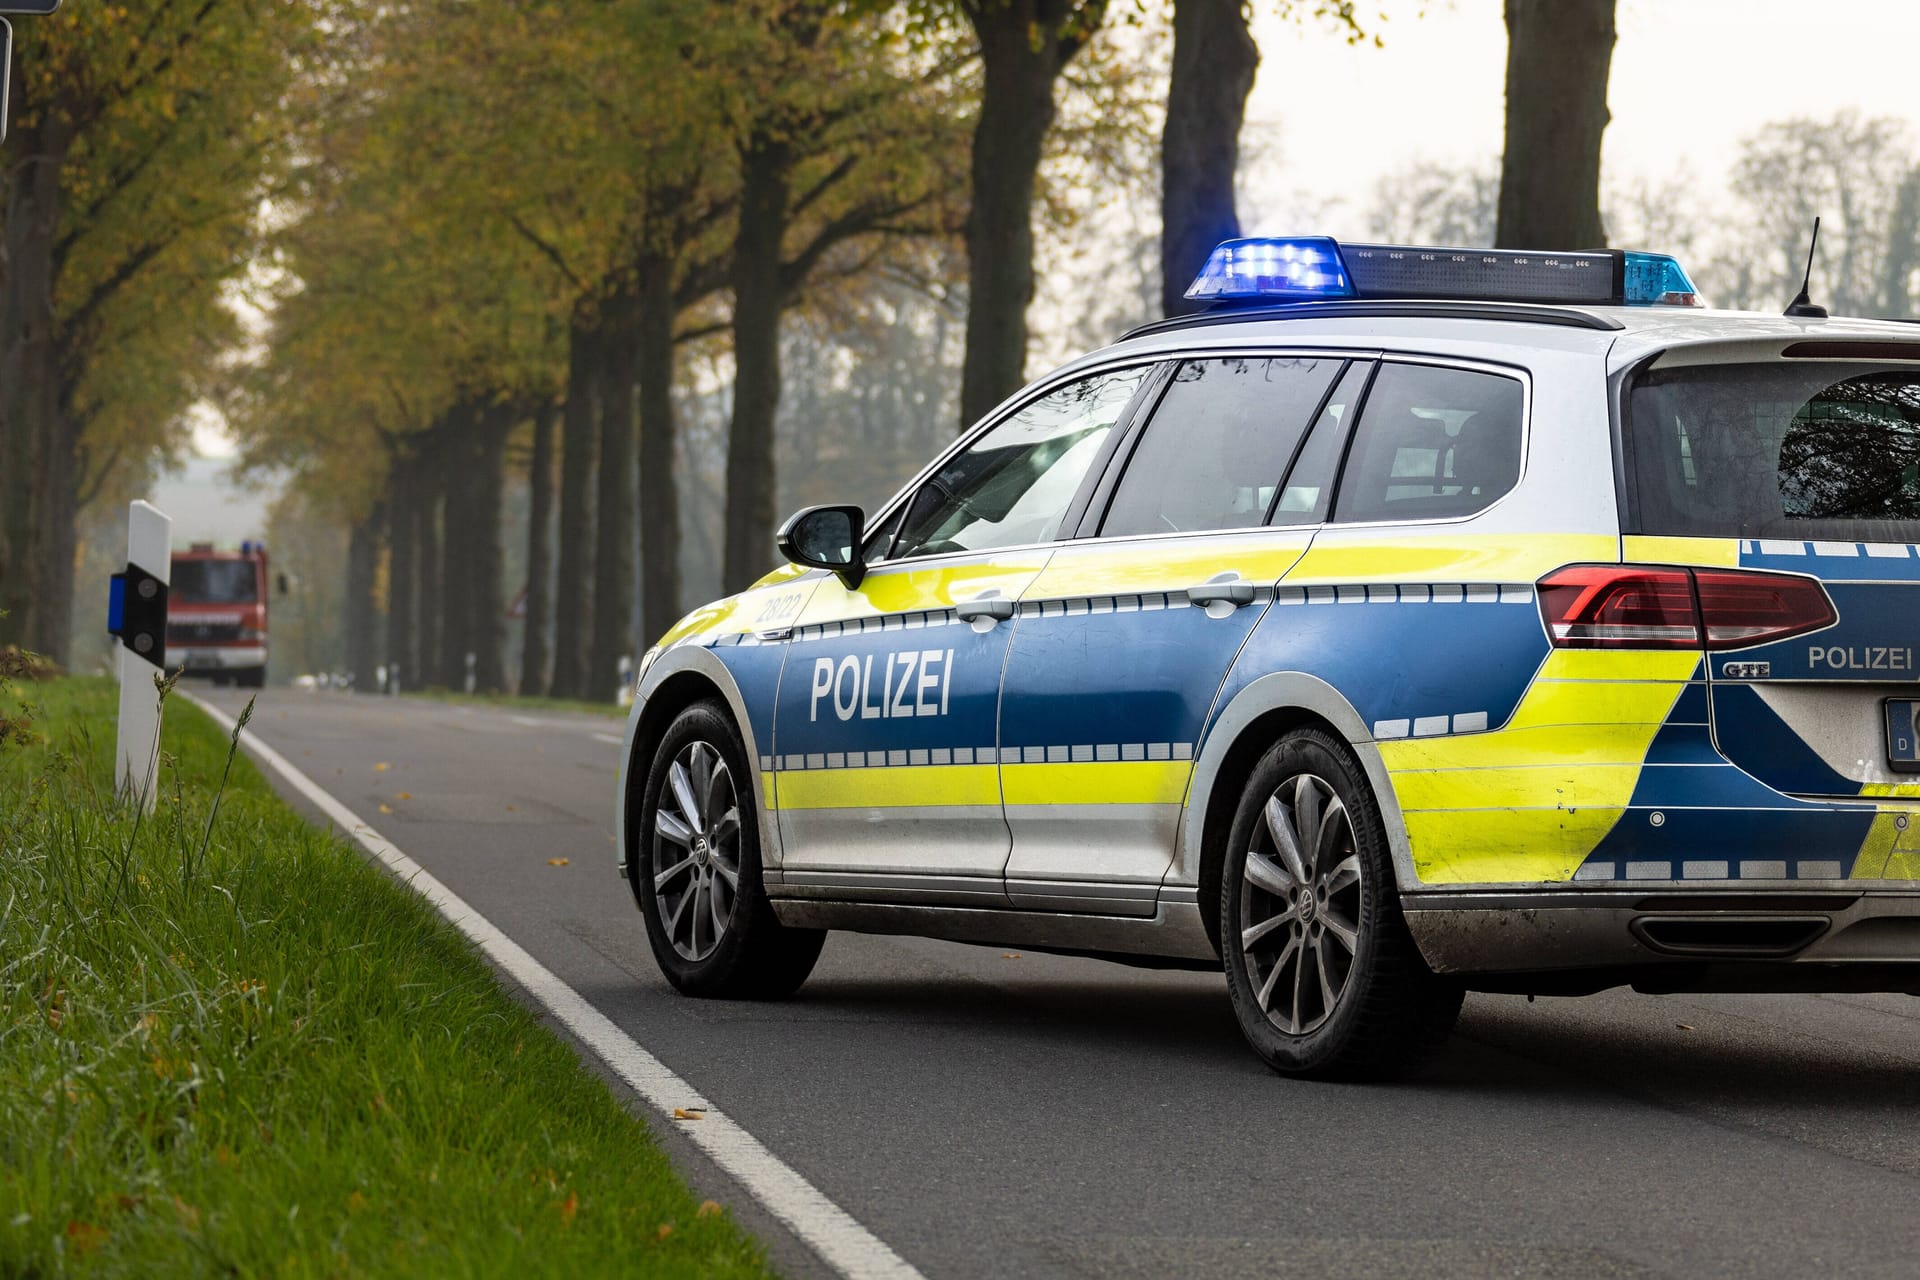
<point>1783,449</point>
<point>214,582</point>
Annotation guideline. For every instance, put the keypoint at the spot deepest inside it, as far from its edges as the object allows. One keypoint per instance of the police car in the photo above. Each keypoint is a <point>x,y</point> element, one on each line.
<point>1410,621</point>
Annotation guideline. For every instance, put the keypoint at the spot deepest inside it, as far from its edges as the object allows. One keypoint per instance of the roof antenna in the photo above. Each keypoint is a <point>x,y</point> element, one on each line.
<point>1802,305</point>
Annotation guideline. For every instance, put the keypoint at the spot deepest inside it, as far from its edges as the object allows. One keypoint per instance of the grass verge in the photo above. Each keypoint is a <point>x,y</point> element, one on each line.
<point>229,1044</point>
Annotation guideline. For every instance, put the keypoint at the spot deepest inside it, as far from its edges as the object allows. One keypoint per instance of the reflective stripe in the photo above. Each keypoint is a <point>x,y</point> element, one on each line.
<point>906,787</point>
<point>1118,782</point>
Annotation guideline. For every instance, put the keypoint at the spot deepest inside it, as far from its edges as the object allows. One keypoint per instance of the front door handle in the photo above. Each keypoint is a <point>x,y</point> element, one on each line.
<point>987,609</point>
<point>1228,589</point>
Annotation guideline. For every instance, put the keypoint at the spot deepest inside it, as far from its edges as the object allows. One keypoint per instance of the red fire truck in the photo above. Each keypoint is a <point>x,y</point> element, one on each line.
<point>217,613</point>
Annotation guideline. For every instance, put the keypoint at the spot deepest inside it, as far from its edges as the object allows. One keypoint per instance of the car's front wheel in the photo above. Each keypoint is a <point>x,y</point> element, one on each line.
<point>1324,977</point>
<point>696,869</point>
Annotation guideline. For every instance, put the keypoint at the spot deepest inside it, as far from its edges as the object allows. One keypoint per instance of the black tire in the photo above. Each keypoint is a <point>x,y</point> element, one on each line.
<point>745,953</point>
<point>1289,941</point>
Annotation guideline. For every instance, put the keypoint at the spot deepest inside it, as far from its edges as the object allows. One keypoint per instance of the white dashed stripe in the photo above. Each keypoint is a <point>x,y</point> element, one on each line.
<point>917,757</point>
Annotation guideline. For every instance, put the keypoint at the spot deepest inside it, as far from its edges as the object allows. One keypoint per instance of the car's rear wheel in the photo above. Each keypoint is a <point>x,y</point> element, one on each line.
<point>696,869</point>
<point>1325,979</point>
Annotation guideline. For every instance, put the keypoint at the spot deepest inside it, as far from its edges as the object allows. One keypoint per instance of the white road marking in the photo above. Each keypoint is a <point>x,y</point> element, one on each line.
<point>829,1230</point>
<point>614,738</point>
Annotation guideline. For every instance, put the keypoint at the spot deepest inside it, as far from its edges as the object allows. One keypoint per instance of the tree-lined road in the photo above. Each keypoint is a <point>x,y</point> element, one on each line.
<point>992,1113</point>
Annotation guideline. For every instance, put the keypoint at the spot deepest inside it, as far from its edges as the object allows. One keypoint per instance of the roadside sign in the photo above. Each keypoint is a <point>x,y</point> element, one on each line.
<point>137,614</point>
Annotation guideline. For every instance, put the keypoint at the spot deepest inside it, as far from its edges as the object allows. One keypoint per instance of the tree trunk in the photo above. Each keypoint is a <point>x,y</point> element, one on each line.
<point>427,492</point>
<point>403,522</point>
<point>758,299</point>
<point>573,600</point>
<point>613,538</point>
<point>456,549</point>
<point>31,432</point>
<point>60,503</point>
<point>486,616</point>
<point>1021,57</point>
<point>534,650</point>
<point>1214,60</point>
<point>363,554</point>
<point>1558,55</point>
<point>659,498</point>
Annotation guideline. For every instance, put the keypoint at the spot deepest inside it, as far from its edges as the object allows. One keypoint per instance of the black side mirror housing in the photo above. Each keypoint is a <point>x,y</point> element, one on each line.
<point>826,537</point>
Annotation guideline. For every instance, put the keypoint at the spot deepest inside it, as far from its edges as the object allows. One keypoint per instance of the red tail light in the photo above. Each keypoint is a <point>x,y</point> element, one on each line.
<point>1611,606</point>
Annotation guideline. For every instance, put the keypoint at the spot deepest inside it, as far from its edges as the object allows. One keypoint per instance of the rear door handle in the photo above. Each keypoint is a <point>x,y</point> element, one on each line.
<point>1225,588</point>
<point>990,608</point>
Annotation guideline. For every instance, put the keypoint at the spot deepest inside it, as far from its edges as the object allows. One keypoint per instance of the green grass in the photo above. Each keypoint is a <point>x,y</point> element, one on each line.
<point>228,1044</point>
<point>521,704</point>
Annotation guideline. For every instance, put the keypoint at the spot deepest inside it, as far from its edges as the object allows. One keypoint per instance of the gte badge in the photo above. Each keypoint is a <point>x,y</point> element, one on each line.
<point>1903,735</point>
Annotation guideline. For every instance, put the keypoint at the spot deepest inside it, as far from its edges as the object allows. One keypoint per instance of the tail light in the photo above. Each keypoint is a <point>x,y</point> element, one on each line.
<point>1611,606</point>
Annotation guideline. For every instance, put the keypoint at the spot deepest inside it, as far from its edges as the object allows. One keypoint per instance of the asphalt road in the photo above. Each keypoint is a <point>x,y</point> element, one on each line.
<point>988,1113</point>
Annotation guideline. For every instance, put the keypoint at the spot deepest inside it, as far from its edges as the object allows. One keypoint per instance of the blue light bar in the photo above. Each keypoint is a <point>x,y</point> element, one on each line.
<point>1657,280</point>
<point>1314,268</point>
<point>1296,267</point>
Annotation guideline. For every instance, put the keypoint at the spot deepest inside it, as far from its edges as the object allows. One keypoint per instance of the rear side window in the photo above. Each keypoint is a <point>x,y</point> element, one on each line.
<point>1777,450</point>
<point>1432,443</point>
<point>1218,445</point>
<point>1309,487</point>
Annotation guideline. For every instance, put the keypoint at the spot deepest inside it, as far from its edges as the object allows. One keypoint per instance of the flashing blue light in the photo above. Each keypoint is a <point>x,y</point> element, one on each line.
<point>1295,267</point>
<point>1312,268</point>
<point>1656,280</point>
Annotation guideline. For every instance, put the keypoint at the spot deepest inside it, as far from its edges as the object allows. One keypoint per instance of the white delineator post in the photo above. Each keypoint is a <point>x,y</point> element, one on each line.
<point>149,547</point>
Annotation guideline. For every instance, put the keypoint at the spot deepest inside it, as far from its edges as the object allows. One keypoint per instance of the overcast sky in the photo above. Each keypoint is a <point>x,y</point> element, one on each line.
<point>1690,78</point>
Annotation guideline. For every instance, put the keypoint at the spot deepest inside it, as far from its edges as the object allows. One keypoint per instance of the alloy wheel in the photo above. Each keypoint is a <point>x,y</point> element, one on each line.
<point>1300,905</point>
<point>696,848</point>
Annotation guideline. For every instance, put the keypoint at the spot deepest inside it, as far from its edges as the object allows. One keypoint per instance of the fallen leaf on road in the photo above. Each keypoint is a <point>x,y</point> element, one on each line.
<point>386,808</point>
<point>557,862</point>
<point>1684,1026</point>
<point>689,1113</point>
<point>403,795</point>
<point>381,766</point>
<point>707,1209</point>
<point>1009,955</point>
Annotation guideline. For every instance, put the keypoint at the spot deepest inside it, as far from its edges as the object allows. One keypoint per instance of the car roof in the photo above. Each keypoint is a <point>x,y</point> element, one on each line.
<point>1491,331</point>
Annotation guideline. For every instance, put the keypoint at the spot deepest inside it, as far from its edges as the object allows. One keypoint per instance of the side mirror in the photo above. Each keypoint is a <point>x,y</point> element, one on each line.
<point>826,538</point>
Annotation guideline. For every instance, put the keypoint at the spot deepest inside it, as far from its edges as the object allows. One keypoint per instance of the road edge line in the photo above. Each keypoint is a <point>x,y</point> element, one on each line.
<point>830,1231</point>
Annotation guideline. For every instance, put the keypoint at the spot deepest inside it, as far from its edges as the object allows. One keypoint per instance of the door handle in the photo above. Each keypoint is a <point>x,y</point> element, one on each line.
<point>987,609</point>
<point>1225,588</point>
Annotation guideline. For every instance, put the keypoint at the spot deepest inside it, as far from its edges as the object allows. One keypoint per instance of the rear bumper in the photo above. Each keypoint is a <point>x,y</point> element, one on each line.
<point>202,657</point>
<point>1805,938</point>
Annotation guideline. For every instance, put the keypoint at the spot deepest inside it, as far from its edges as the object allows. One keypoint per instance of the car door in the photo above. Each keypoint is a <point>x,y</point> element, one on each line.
<point>886,781</point>
<point>1124,638</point>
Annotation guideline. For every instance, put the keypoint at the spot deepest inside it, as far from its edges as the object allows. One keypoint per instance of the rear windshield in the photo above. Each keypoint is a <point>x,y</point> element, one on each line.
<point>1782,449</point>
<point>214,582</point>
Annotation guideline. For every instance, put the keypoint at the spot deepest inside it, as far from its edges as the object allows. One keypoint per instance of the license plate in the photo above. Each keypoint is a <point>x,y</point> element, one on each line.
<point>1903,735</point>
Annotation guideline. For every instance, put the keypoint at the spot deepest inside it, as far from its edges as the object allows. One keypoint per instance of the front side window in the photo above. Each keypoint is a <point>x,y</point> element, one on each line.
<point>1778,450</point>
<point>1013,485</point>
<point>1218,445</point>
<point>1432,443</point>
